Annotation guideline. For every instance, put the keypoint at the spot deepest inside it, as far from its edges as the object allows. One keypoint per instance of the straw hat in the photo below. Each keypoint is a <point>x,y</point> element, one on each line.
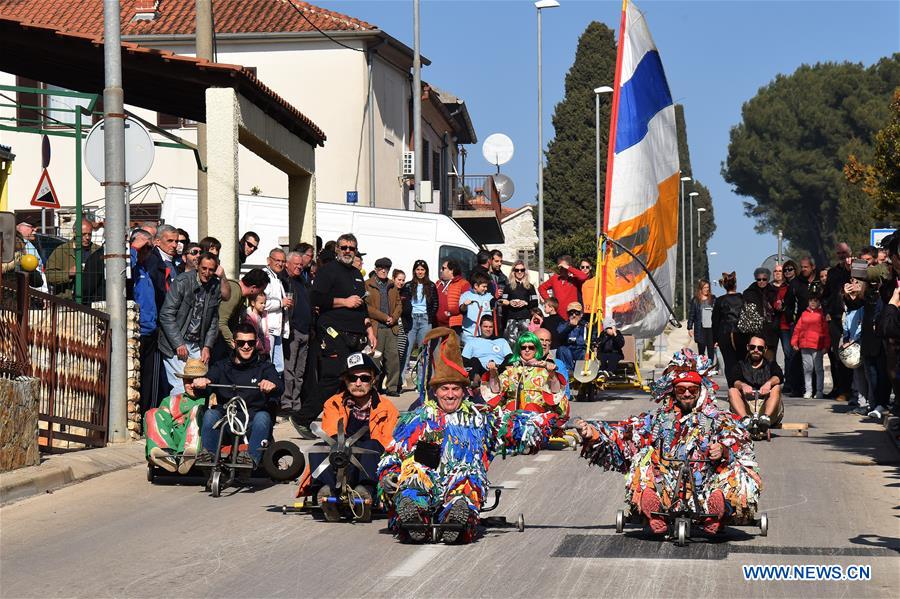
<point>193,369</point>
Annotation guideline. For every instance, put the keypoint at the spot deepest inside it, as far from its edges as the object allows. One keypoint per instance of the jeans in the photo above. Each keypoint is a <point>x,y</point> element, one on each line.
<point>276,352</point>
<point>415,336</point>
<point>390,358</point>
<point>861,386</point>
<point>812,361</point>
<point>260,430</point>
<point>568,355</point>
<point>175,365</point>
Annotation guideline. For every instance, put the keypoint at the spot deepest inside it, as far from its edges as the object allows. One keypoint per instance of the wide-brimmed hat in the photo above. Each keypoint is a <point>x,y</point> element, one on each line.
<point>193,369</point>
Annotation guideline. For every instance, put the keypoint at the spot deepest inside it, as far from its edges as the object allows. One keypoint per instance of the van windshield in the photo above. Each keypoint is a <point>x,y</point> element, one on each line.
<point>465,257</point>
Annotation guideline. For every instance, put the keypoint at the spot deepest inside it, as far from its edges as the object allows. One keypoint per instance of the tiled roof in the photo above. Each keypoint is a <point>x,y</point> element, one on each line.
<point>177,16</point>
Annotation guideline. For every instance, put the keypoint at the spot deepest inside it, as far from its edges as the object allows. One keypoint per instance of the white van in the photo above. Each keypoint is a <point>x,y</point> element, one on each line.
<point>401,235</point>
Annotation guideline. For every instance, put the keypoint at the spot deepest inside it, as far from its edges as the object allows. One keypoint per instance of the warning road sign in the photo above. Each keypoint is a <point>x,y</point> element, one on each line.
<point>45,195</point>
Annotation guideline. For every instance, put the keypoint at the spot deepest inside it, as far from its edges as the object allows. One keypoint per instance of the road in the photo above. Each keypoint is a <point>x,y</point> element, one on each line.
<point>832,498</point>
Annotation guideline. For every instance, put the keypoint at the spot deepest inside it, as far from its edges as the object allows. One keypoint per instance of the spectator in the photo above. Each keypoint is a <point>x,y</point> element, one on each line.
<point>144,295</point>
<point>501,282</point>
<point>795,301</point>
<point>276,305</point>
<point>60,269</point>
<point>483,266</point>
<point>306,252</point>
<point>248,244</point>
<point>609,346</point>
<point>474,304</point>
<point>231,310</point>
<point>25,230</point>
<point>299,318</point>
<point>519,299</point>
<point>833,304</point>
<point>762,295</point>
<point>810,338</point>
<point>383,301</point>
<point>485,351</point>
<point>257,316</point>
<point>789,272</point>
<point>565,284</point>
<point>699,322</point>
<point>343,326</point>
<point>358,264</point>
<point>423,309</point>
<point>882,256</point>
<point>546,338</point>
<point>398,278</point>
<point>888,275</point>
<point>756,374</point>
<point>183,240</point>
<point>190,256</point>
<point>574,335</point>
<point>586,266</point>
<point>189,319</point>
<point>244,367</point>
<point>823,277</point>
<point>211,245</point>
<point>450,287</point>
<point>150,226</point>
<point>852,333</point>
<point>553,320</point>
<point>537,320</point>
<point>160,264</point>
<point>726,311</point>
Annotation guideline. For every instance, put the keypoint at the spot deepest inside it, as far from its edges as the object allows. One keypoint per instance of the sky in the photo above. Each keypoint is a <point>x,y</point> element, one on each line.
<point>717,55</point>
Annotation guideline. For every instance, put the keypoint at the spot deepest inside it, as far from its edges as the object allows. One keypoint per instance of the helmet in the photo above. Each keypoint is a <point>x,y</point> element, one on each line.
<point>850,355</point>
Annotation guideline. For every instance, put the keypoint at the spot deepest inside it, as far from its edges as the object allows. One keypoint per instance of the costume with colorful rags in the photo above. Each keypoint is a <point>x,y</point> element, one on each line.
<point>439,458</point>
<point>639,445</point>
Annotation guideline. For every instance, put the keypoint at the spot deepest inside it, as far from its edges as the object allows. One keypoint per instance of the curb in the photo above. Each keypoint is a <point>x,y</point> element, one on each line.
<point>62,469</point>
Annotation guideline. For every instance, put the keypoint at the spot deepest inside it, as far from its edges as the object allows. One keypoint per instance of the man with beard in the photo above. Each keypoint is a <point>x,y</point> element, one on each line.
<point>756,373</point>
<point>343,327</point>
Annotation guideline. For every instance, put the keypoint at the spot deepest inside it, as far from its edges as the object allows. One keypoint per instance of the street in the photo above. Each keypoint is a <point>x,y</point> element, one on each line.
<point>831,499</point>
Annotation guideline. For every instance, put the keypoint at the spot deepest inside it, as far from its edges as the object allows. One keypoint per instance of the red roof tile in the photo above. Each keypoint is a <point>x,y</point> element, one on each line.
<point>177,16</point>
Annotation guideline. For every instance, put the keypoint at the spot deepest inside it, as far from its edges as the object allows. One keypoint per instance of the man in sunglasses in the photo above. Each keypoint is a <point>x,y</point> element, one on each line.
<point>248,244</point>
<point>688,425</point>
<point>244,367</point>
<point>756,374</point>
<point>573,332</point>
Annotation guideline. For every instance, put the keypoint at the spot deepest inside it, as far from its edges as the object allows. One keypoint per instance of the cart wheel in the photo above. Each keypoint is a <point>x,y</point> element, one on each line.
<point>620,521</point>
<point>151,473</point>
<point>681,533</point>
<point>435,534</point>
<point>520,523</point>
<point>764,525</point>
<point>284,510</point>
<point>215,483</point>
<point>283,461</point>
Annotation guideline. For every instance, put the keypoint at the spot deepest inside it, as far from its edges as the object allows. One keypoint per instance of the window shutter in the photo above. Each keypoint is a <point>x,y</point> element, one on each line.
<point>28,117</point>
<point>167,121</point>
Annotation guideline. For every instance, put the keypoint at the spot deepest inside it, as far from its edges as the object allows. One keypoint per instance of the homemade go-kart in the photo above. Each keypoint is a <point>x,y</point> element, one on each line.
<point>281,461</point>
<point>685,509</point>
<point>592,380</point>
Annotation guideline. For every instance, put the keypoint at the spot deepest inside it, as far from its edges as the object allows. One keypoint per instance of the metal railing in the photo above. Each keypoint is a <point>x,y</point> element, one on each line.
<point>14,356</point>
<point>468,198</point>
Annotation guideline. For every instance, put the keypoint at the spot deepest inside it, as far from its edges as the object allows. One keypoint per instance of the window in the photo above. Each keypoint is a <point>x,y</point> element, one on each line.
<point>436,171</point>
<point>28,117</point>
<point>43,110</point>
<point>425,155</point>
<point>59,108</point>
<point>465,258</point>
<point>526,256</point>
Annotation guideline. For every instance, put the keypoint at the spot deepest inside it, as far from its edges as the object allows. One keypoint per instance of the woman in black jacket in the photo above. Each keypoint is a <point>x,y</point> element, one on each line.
<point>726,310</point>
<point>419,309</point>
<point>763,296</point>
<point>519,299</point>
<point>699,322</point>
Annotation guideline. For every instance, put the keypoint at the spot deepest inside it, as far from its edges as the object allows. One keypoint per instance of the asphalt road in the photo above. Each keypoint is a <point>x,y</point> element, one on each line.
<point>832,498</point>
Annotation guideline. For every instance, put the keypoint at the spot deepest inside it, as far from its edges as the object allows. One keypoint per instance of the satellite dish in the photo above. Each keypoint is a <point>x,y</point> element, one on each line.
<point>505,187</point>
<point>497,149</point>
<point>772,260</point>
<point>139,152</point>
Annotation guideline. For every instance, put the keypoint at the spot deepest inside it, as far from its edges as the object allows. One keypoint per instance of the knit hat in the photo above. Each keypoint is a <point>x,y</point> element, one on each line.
<point>446,359</point>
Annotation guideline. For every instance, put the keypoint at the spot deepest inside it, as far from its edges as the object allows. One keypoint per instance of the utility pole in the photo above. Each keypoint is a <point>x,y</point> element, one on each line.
<point>417,107</point>
<point>683,248</point>
<point>204,49</point>
<point>780,247</point>
<point>114,228</point>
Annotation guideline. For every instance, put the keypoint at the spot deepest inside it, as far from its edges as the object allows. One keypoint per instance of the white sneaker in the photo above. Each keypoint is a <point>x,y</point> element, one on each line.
<point>807,395</point>
<point>877,413</point>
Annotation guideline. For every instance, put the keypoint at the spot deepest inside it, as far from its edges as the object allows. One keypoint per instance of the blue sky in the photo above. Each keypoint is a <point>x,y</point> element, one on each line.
<point>717,54</point>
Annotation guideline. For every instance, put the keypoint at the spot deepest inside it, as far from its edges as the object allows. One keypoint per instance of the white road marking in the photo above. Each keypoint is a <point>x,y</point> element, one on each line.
<point>510,484</point>
<point>526,471</point>
<point>416,561</point>
<point>544,457</point>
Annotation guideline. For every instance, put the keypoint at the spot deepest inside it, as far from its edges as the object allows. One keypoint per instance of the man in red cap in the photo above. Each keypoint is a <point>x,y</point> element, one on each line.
<point>688,426</point>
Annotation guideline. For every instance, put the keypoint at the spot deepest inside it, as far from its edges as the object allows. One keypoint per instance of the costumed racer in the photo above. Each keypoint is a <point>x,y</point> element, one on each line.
<point>438,460</point>
<point>688,425</point>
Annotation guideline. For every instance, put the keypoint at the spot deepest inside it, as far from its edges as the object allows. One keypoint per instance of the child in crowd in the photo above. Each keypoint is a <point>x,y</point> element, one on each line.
<point>552,320</point>
<point>256,316</point>
<point>537,320</point>
<point>474,304</point>
<point>811,339</point>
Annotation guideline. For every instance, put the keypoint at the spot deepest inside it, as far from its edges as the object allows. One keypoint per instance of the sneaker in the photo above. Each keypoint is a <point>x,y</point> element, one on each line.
<point>715,505</point>
<point>408,513</point>
<point>204,458</point>
<point>163,458</point>
<point>330,509</point>
<point>244,458</point>
<point>764,423</point>
<point>304,431</point>
<point>862,410</point>
<point>853,404</point>
<point>807,395</point>
<point>819,396</point>
<point>649,504</point>
<point>365,510</point>
<point>459,516</point>
<point>877,413</point>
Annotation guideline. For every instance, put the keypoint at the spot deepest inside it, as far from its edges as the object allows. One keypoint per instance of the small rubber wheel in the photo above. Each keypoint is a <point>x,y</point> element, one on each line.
<point>435,534</point>
<point>764,525</point>
<point>283,461</point>
<point>620,521</point>
<point>681,534</point>
<point>520,523</point>
<point>215,487</point>
<point>284,510</point>
<point>151,473</point>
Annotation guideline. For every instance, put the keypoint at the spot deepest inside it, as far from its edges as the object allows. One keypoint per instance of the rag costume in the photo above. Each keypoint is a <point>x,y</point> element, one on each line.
<point>642,446</point>
<point>437,459</point>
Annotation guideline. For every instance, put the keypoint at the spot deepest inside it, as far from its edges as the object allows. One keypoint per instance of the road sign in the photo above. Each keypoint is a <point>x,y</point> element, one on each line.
<point>139,152</point>
<point>352,197</point>
<point>45,195</point>
<point>876,235</point>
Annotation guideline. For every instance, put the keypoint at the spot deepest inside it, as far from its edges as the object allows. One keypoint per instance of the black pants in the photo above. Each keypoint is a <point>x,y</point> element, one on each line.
<point>154,385</point>
<point>369,463</point>
<point>841,376</point>
<point>731,355</point>
<point>330,362</point>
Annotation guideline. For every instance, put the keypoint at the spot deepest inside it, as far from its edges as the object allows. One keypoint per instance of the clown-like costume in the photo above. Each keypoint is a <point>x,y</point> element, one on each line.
<point>438,460</point>
<point>728,485</point>
<point>528,388</point>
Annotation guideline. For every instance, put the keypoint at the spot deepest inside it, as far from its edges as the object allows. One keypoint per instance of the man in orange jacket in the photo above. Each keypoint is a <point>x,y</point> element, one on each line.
<point>357,404</point>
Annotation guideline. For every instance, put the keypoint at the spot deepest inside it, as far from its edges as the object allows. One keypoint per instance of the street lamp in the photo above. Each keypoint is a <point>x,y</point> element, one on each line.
<point>700,211</point>
<point>691,197</point>
<point>683,244</point>
<point>540,5</point>
<point>597,91</point>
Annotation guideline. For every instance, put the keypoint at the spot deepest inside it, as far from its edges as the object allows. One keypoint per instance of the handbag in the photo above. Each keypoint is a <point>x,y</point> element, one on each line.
<point>750,319</point>
<point>851,355</point>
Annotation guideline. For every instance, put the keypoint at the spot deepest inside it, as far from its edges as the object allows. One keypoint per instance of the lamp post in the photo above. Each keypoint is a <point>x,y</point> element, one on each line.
<point>683,244</point>
<point>700,212</point>
<point>691,197</point>
<point>418,157</point>
<point>540,5</point>
<point>605,89</point>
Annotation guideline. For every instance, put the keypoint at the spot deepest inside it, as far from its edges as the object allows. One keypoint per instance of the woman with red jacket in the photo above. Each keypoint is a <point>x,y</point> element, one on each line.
<point>450,286</point>
<point>811,339</point>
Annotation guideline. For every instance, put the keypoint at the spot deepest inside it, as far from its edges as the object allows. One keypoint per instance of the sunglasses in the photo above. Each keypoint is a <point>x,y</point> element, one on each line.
<point>529,347</point>
<point>251,245</point>
<point>518,270</point>
<point>585,267</point>
<point>573,312</point>
<point>182,240</point>
<point>751,347</point>
<point>763,280</point>
<point>194,252</point>
<point>687,390</point>
<point>788,269</point>
<point>245,342</point>
<point>347,248</point>
<point>362,378</point>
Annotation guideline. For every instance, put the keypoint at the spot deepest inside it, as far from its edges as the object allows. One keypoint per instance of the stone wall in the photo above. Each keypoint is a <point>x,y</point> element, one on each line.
<point>18,423</point>
<point>133,337</point>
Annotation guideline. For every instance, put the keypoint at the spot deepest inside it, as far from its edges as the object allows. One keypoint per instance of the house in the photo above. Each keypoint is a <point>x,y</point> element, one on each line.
<point>519,234</point>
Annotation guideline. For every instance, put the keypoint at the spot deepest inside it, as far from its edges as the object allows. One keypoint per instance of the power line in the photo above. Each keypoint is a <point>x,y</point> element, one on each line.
<point>314,26</point>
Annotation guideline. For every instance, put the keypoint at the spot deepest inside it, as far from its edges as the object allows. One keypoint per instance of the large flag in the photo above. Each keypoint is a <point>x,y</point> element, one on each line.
<point>641,185</point>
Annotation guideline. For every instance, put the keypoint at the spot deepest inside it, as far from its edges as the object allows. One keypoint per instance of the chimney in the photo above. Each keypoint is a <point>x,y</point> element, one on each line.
<point>146,10</point>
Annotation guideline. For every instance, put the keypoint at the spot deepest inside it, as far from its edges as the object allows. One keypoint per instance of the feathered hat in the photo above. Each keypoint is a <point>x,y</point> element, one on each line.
<point>686,366</point>
<point>446,359</point>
